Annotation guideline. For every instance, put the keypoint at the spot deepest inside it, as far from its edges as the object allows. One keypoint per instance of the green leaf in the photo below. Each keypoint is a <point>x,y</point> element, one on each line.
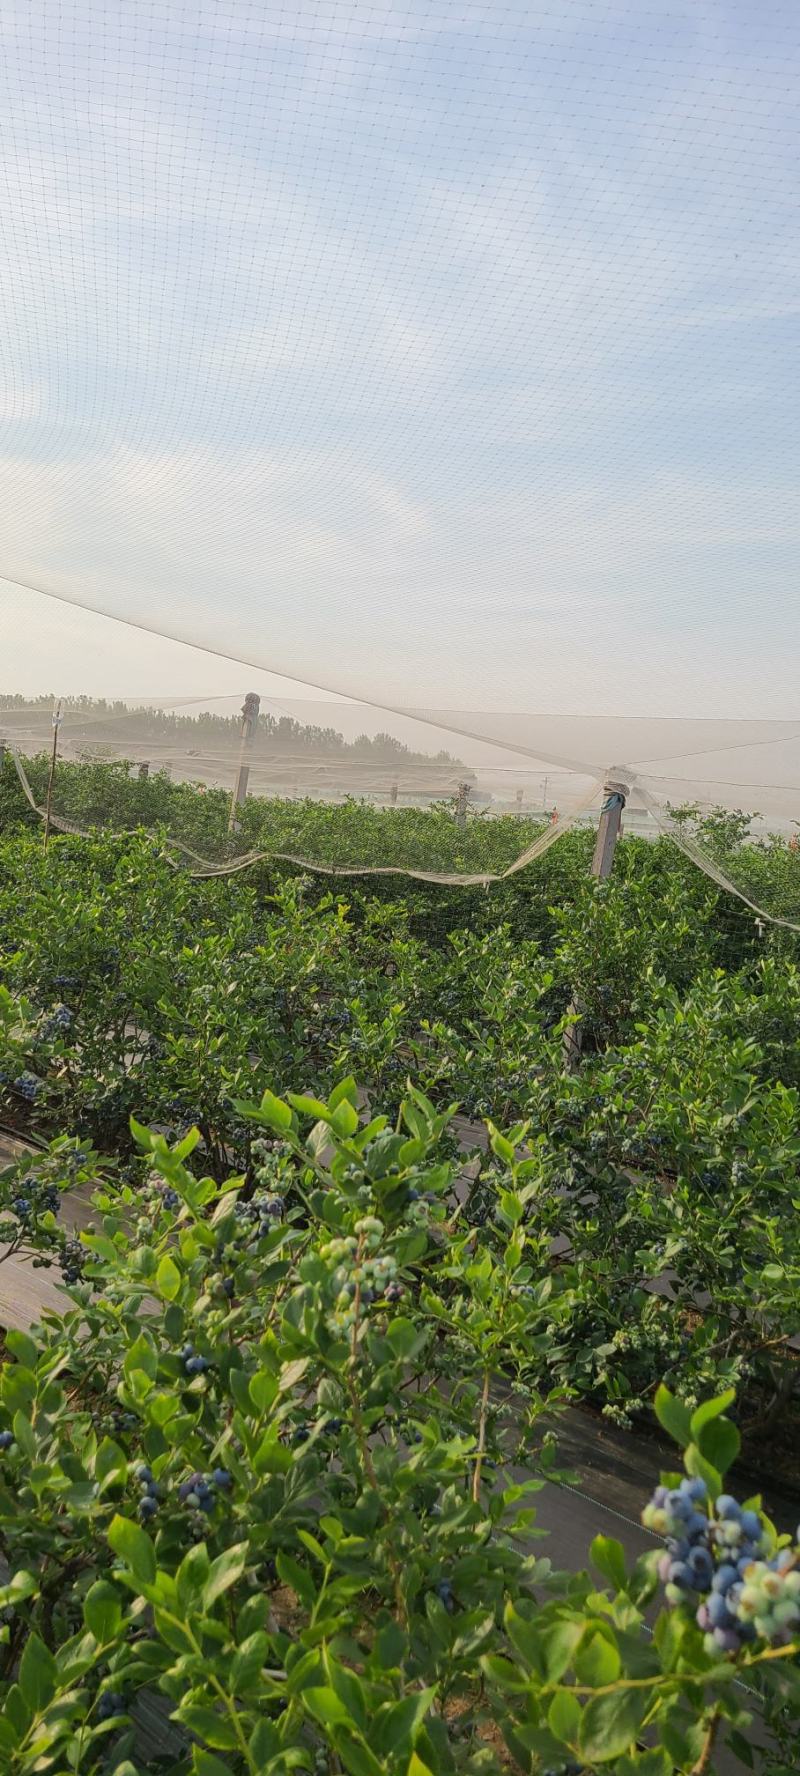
<point>296,1577</point>
<point>109,1460</point>
<point>564,1717</point>
<point>398,1725</point>
<point>700,1469</point>
<point>306,1106</point>
<point>274,1112</point>
<point>611,1724</point>
<point>24,1434</point>
<point>346,1088</point>
<point>204,1763</point>
<point>291,1373</point>
<point>417,1768</point>
<point>224,1572</point>
<point>22,1348</point>
<point>142,1354</point>
<point>22,1585</point>
<point>403,1336</point>
<point>647,1763</point>
<point>38,1674</point>
<point>248,1661</point>
<point>263,1389</point>
<point>560,1642</point>
<point>326,1707</point>
<point>608,1555</point>
<point>263,1743</point>
<point>674,1416</point>
<point>135,1547</point>
<point>102,1611</point>
<point>215,1729</point>
<point>344,1120</point>
<point>710,1409</point>
<point>168,1279</point>
<point>720,1443</point>
<point>597,1661</point>
<point>191,1576</point>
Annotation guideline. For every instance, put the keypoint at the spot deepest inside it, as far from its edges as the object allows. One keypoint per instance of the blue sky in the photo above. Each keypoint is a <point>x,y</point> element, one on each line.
<point>444,353</point>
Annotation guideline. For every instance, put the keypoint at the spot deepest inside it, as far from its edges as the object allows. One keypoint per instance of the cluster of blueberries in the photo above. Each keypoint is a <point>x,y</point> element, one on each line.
<point>715,1561</point>
<point>111,1703</point>
<point>57,1023</point>
<point>192,1363</point>
<point>46,1197</point>
<point>71,1261</point>
<point>27,1085</point>
<point>262,1212</point>
<point>302,1432</point>
<point>199,1492</point>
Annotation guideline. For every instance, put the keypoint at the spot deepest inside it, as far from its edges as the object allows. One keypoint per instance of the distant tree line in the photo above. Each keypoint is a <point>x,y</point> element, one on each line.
<point>281,732</point>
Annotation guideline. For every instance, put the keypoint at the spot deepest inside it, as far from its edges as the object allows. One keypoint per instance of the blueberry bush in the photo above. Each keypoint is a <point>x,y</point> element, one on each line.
<point>666,1166</point>
<point>269,1479</point>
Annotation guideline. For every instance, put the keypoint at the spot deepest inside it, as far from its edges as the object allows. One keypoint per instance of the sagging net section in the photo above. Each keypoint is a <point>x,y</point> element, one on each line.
<point>225,790</point>
<point>343,788</point>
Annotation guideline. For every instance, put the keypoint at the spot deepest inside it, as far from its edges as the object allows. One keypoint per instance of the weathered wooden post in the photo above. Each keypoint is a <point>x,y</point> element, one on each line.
<point>393,795</point>
<point>250,711</point>
<point>51,778</point>
<point>462,798</point>
<point>144,770</point>
<point>608,830</point>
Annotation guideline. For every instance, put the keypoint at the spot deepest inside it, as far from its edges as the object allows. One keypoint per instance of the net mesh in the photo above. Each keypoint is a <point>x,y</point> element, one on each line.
<point>431,354</point>
<point>433,357</point>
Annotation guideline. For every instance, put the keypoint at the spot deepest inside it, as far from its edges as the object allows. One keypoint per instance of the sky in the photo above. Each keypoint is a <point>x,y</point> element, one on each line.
<point>438,354</point>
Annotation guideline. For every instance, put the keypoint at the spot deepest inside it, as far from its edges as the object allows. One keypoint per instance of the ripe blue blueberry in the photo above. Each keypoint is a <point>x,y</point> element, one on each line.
<point>110,1704</point>
<point>728,1508</point>
<point>147,1507</point>
<point>6,1439</point>
<point>144,1473</point>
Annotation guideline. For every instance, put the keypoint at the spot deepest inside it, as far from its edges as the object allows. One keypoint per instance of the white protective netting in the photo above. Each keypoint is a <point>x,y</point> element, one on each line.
<point>433,355</point>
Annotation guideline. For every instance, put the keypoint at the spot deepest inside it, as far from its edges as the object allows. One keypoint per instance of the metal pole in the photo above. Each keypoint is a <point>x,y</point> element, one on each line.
<point>608,830</point>
<point>53,757</point>
<point>250,711</point>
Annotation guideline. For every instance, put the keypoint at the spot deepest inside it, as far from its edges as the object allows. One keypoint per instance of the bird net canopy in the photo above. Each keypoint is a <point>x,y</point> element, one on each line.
<point>435,356</point>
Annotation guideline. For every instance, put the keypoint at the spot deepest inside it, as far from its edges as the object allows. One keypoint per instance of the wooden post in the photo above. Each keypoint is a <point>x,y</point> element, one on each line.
<point>50,780</point>
<point>608,830</point>
<point>144,770</point>
<point>519,801</point>
<point>393,795</point>
<point>461,804</point>
<point>250,711</point>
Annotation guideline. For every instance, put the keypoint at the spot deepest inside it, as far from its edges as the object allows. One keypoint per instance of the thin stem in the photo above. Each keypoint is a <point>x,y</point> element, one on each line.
<point>703,1764</point>
<point>476,1478</point>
